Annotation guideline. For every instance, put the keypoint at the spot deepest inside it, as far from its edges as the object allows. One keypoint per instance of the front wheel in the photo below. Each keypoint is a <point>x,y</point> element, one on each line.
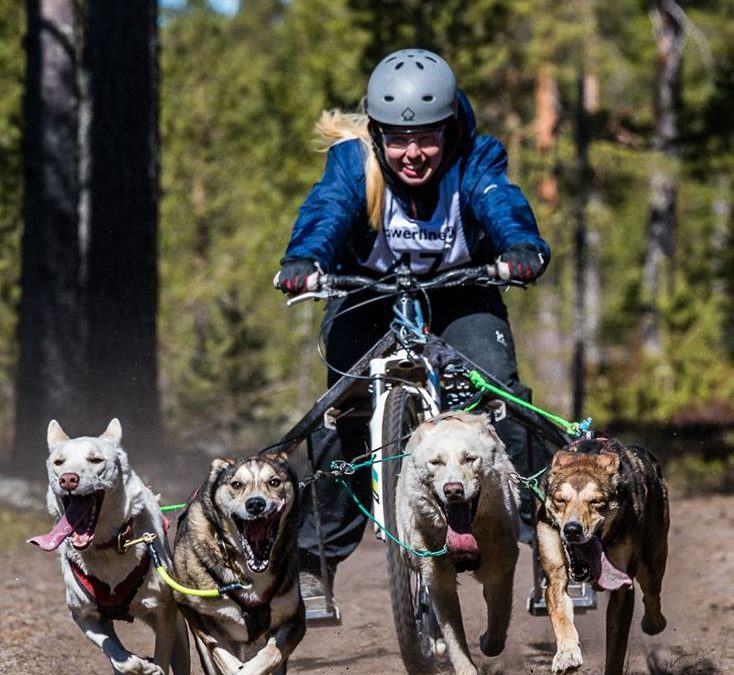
<point>419,636</point>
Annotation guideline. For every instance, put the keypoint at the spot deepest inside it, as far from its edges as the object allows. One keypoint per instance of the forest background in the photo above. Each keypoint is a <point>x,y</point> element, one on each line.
<point>618,121</point>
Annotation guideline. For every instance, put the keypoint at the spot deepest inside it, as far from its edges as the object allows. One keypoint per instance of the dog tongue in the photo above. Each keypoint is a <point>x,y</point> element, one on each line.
<point>606,575</point>
<point>459,537</point>
<point>74,516</point>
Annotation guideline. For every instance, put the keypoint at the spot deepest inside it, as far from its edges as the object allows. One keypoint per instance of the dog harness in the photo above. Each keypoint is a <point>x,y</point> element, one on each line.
<point>255,610</point>
<point>112,603</point>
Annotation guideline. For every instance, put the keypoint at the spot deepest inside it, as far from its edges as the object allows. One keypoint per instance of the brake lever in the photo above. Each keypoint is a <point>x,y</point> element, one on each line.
<point>505,285</point>
<point>310,295</point>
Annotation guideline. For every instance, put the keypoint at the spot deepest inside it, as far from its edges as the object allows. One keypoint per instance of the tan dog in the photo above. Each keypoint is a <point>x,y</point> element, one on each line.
<point>240,531</point>
<point>99,503</point>
<point>605,519</point>
<point>455,489</point>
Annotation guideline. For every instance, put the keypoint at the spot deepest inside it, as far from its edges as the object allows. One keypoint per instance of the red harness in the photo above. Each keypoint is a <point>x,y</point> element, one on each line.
<point>113,603</point>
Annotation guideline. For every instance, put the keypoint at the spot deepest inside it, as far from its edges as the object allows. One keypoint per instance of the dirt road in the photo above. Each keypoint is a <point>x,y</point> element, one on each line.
<point>37,636</point>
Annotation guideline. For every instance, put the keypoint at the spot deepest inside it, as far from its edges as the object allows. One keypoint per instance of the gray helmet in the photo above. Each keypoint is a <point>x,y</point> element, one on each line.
<point>411,87</point>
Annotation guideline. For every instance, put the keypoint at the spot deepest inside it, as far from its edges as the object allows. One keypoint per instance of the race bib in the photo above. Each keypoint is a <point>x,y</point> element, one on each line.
<point>426,245</point>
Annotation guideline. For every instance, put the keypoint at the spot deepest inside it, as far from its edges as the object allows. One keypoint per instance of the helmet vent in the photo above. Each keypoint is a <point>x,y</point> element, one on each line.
<point>411,88</point>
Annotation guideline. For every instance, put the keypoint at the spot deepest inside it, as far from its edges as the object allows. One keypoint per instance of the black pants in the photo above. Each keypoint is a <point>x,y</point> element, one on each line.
<point>473,321</point>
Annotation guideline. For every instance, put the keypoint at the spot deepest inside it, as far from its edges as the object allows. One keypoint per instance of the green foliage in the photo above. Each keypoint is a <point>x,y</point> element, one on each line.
<point>240,95</point>
<point>240,98</point>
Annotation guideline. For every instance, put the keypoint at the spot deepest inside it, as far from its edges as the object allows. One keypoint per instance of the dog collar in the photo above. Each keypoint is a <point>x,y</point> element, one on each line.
<point>118,541</point>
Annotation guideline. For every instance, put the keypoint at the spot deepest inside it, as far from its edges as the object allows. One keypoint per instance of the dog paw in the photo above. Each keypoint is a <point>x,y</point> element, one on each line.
<point>134,665</point>
<point>491,646</point>
<point>567,661</point>
<point>652,625</point>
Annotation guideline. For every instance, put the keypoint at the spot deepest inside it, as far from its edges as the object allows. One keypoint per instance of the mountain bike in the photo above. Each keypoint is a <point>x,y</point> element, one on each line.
<point>408,376</point>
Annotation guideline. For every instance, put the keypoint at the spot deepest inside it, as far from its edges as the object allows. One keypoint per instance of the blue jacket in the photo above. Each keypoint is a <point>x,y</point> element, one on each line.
<point>332,226</point>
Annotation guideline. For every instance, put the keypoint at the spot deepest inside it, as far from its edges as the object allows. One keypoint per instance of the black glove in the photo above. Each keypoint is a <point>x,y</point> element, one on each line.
<point>294,274</point>
<point>522,262</point>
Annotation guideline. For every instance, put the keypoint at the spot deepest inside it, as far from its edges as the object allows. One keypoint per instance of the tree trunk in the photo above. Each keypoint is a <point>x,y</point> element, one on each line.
<point>664,191</point>
<point>121,67</point>
<point>582,190</point>
<point>50,323</point>
<point>547,111</point>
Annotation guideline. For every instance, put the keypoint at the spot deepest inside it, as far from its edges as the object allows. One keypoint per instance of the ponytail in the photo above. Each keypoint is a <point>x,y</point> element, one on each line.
<point>335,126</point>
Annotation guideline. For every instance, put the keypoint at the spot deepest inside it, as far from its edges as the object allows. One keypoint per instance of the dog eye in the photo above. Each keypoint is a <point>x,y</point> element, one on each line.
<point>274,482</point>
<point>471,458</point>
<point>58,462</point>
<point>236,485</point>
<point>435,462</point>
<point>95,460</point>
<point>560,500</point>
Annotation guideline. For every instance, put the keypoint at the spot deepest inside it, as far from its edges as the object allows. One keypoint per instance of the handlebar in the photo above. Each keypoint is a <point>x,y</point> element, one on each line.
<point>330,286</point>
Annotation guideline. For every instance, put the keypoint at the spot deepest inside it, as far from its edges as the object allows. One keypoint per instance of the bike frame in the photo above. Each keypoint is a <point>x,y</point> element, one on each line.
<point>380,370</point>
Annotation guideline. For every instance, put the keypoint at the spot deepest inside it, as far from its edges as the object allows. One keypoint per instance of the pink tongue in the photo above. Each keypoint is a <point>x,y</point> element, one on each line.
<point>462,544</point>
<point>75,513</point>
<point>459,537</point>
<point>52,540</point>
<point>606,575</point>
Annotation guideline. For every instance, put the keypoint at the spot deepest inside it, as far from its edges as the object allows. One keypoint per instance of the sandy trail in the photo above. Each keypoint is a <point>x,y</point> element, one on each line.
<point>38,635</point>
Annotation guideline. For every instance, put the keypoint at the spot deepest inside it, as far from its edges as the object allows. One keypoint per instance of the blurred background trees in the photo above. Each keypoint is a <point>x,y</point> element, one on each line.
<point>87,347</point>
<point>606,109</point>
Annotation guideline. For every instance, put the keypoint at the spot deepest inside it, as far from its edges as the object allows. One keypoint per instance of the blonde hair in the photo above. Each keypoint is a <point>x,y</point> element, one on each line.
<point>335,126</point>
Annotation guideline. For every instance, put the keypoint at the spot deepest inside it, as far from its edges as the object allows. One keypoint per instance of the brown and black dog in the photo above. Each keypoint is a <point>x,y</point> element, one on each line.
<point>238,534</point>
<point>605,519</point>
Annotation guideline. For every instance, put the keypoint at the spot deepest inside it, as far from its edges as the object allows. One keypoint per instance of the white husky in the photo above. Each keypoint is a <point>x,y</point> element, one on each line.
<point>99,503</point>
<point>455,489</point>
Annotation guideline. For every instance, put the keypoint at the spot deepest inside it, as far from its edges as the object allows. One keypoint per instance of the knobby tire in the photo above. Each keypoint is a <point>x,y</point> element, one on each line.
<point>401,416</point>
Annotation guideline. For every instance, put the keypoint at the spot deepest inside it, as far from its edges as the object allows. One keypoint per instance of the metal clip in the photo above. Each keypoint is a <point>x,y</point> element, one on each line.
<point>147,539</point>
<point>343,467</point>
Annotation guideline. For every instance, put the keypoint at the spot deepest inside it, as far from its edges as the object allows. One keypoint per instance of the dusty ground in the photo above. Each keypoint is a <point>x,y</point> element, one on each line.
<point>38,636</point>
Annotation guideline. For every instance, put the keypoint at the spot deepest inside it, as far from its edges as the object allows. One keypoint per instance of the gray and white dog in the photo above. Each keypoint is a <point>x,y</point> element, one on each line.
<point>99,503</point>
<point>455,490</point>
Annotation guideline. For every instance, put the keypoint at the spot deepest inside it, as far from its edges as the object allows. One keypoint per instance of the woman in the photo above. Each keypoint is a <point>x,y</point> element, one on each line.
<point>409,182</point>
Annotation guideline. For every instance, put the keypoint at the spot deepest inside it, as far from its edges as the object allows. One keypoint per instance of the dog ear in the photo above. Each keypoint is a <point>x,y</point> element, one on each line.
<point>218,465</point>
<point>485,423</point>
<point>279,458</point>
<point>415,437</point>
<point>113,432</point>
<point>55,435</point>
<point>486,419</point>
<point>563,457</point>
<point>608,461</point>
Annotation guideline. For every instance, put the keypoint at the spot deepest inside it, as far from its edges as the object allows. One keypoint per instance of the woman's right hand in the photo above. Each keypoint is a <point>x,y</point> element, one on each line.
<point>296,276</point>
